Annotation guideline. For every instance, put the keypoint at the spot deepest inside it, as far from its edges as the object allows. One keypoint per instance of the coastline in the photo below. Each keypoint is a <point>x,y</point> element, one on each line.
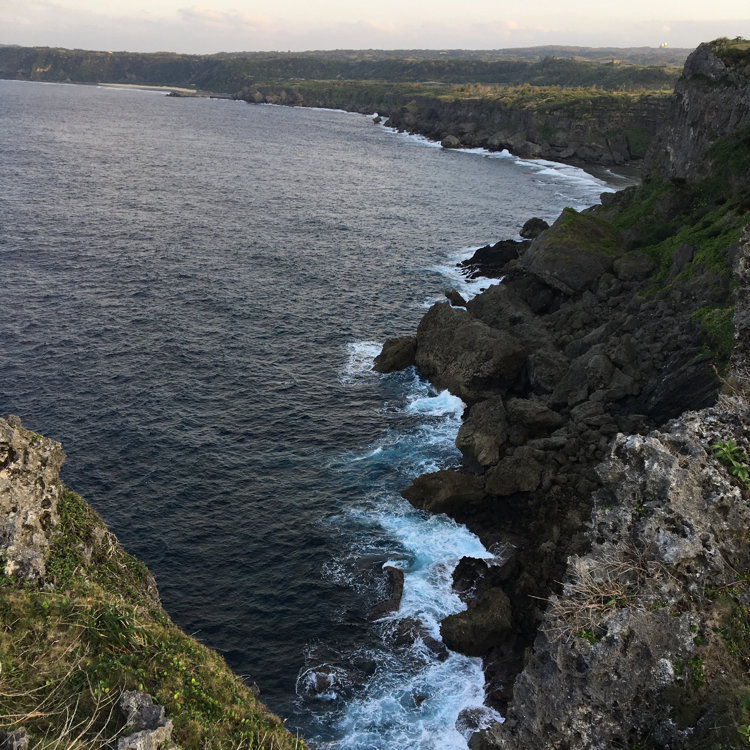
<point>610,351</point>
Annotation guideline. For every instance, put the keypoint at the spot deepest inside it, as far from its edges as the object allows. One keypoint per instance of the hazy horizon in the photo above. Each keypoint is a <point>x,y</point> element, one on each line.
<point>291,25</point>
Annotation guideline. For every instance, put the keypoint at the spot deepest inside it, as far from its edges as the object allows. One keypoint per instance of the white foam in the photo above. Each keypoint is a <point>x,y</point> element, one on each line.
<point>444,403</point>
<point>433,546</point>
<point>359,358</point>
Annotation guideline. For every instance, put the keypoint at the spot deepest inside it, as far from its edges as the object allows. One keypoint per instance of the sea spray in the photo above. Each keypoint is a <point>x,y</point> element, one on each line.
<point>402,687</point>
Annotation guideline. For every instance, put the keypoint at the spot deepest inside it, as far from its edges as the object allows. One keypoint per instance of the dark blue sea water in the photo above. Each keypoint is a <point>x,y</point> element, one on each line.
<point>192,293</point>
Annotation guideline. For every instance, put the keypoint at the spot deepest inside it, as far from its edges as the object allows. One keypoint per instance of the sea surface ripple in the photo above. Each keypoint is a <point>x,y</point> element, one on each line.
<point>193,291</point>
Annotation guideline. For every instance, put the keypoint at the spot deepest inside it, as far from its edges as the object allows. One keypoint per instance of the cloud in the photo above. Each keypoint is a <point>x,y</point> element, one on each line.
<point>202,14</point>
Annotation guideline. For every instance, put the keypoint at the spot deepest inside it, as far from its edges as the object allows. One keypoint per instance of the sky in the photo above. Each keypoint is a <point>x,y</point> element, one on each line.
<point>247,25</point>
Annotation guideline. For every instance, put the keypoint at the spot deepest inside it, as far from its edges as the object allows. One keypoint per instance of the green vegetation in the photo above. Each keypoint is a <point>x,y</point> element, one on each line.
<point>732,456</point>
<point>230,73</point>
<point>95,628</point>
<point>734,52</point>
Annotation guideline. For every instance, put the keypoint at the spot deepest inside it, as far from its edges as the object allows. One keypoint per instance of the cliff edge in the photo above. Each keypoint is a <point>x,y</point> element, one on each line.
<point>88,657</point>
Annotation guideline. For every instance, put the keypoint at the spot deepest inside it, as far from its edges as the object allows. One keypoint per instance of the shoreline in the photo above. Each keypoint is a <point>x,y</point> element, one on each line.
<point>588,379</point>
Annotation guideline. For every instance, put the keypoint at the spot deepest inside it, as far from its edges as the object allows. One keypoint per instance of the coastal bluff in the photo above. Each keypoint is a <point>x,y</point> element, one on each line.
<point>89,657</point>
<point>605,448</point>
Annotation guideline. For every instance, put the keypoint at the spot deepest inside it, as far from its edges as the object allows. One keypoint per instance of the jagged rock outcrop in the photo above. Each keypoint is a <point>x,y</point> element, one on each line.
<point>149,728</point>
<point>711,100</point>
<point>30,489</point>
<point>634,649</point>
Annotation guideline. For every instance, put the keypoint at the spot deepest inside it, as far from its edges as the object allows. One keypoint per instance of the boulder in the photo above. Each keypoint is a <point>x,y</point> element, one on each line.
<point>533,228</point>
<point>574,252</point>
<point>481,626</point>
<point>519,472</point>
<point>530,418</point>
<point>396,354</point>
<point>450,141</point>
<point>634,266</point>
<point>483,433</point>
<point>460,353</point>
<point>445,491</point>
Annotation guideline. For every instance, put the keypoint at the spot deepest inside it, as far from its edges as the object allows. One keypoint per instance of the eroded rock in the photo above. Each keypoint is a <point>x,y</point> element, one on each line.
<point>30,489</point>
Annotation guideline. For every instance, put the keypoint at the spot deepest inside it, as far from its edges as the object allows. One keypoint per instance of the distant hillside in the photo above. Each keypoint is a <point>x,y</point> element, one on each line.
<point>225,73</point>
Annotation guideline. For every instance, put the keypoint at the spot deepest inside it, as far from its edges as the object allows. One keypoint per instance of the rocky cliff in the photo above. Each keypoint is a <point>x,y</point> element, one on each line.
<point>616,612</point>
<point>84,640</point>
<point>585,127</point>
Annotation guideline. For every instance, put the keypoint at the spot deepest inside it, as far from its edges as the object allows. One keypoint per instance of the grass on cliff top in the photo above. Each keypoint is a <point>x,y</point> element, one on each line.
<point>68,649</point>
<point>733,52</point>
<point>575,101</point>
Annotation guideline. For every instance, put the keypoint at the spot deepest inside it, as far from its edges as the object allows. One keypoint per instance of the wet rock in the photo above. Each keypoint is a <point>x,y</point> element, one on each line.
<point>485,622</point>
<point>455,298</point>
<point>445,491</point>
<point>30,490</point>
<point>450,141</point>
<point>396,586</point>
<point>412,631</point>
<point>490,261</point>
<point>151,730</point>
<point>533,228</point>
<point>322,682</point>
<point>397,354</point>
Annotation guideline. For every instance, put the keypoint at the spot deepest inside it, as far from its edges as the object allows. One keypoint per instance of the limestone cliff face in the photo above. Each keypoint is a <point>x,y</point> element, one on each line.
<point>711,100</point>
<point>30,489</point>
<point>636,650</point>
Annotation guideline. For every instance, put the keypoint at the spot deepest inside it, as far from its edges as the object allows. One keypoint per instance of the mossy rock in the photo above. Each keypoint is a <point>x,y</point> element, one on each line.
<point>574,252</point>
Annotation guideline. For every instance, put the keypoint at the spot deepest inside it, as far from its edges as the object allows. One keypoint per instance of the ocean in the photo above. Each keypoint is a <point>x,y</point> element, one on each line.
<point>193,292</point>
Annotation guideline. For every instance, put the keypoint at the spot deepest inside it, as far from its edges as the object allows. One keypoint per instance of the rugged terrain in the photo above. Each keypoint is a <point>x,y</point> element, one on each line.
<point>616,612</point>
<point>85,647</point>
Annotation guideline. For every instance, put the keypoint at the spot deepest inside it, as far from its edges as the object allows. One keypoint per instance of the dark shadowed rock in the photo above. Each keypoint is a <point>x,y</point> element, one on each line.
<point>519,472</point>
<point>397,354</point>
<point>689,382</point>
<point>490,261</point>
<point>483,433</point>
<point>476,630</point>
<point>680,258</point>
<point>445,491</point>
<point>634,266</point>
<point>455,298</point>
<point>396,585</point>
<point>529,418</point>
<point>450,141</point>
<point>460,353</point>
<point>533,228</point>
